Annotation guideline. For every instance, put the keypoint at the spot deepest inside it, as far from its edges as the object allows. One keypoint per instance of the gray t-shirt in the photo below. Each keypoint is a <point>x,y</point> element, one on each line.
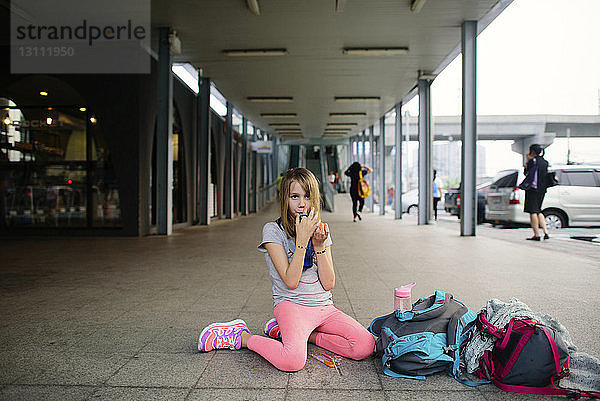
<point>309,292</point>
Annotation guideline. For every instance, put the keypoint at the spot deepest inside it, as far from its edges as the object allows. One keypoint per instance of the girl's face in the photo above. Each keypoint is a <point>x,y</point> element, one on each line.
<point>299,201</point>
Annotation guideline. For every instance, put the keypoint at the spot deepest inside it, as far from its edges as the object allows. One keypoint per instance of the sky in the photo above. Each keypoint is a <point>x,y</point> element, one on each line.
<point>537,57</point>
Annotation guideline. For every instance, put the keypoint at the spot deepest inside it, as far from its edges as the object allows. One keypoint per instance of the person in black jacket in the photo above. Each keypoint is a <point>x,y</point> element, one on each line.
<point>534,197</point>
<point>357,200</point>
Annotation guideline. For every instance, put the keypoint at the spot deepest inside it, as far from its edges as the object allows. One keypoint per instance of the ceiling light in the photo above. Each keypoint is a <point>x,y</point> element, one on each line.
<point>375,51</point>
<point>43,93</point>
<point>270,99</point>
<point>284,124</point>
<point>416,5</point>
<point>347,114</point>
<point>82,109</point>
<point>290,133</point>
<point>253,6</point>
<point>330,135</point>
<point>341,124</point>
<point>278,115</point>
<point>357,98</point>
<point>337,129</point>
<point>255,52</point>
<point>288,129</point>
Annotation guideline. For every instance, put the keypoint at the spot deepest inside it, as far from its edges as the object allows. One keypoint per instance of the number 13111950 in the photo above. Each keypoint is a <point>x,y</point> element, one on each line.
<point>46,51</point>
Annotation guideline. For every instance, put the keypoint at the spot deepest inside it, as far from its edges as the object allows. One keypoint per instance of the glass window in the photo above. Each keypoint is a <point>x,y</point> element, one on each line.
<point>581,178</point>
<point>43,153</point>
<point>505,180</point>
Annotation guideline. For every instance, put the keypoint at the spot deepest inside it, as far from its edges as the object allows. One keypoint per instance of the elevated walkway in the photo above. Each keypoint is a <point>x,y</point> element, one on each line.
<point>118,318</point>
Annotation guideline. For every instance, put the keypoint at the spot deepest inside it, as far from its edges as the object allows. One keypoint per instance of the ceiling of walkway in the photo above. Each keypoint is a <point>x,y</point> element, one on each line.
<point>315,70</point>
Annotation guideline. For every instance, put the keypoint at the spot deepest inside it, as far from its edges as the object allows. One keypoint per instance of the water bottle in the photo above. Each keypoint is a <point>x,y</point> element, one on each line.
<point>308,256</point>
<point>402,300</point>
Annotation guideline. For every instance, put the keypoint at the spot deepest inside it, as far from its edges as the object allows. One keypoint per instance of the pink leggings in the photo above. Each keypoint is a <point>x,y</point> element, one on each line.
<point>336,332</point>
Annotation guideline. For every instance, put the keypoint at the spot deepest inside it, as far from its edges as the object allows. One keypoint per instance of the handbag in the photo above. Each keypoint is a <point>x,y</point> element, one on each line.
<point>551,179</point>
<point>363,186</point>
<point>527,183</point>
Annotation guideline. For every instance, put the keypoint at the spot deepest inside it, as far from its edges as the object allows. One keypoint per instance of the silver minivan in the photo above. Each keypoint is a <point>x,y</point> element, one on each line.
<point>575,201</point>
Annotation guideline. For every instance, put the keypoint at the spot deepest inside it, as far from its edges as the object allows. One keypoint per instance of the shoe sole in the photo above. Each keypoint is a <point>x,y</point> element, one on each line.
<point>267,331</point>
<point>213,325</point>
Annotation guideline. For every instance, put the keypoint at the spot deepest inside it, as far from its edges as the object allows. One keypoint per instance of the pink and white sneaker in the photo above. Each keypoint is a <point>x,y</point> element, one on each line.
<point>272,329</point>
<point>222,335</point>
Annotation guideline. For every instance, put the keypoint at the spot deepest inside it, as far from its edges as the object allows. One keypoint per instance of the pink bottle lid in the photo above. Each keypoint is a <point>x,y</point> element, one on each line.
<point>404,291</point>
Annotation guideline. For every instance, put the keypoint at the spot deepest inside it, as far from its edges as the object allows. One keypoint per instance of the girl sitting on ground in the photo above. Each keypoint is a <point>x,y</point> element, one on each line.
<point>298,255</point>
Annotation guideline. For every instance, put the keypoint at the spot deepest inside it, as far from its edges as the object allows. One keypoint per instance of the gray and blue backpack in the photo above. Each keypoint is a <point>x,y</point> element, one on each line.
<point>426,339</point>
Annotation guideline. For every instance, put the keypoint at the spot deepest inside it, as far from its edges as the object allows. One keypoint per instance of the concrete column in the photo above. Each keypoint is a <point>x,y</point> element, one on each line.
<point>371,163</point>
<point>381,174</point>
<point>228,173</point>
<point>398,163</point>
<point>425,146</point>
<point>164,136</point>
<point>244,169</point>
<point>468,192</point>
<point>254,179</point>
<point>203,168</point>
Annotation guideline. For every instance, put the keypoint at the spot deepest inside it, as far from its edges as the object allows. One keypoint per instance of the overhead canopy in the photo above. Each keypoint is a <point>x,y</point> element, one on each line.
<point>314,69</point>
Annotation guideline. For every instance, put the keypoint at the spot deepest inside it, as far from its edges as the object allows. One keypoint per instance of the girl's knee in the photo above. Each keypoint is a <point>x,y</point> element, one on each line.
<point>363,346</point>
<point>293,363</point>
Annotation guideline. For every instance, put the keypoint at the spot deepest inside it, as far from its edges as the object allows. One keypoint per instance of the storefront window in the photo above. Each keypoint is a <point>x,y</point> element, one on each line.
<point>47,167</point>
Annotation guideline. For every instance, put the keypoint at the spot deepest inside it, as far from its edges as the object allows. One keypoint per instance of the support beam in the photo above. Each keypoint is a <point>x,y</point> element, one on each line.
<point>203,168</point>
<point>254,179</point>
<point>228,171</point>
<point>371,163</point>
<point>425,147</point>
<point>244,169</point>
<point>381,174</point>
<point>468,192</point>
<point>398,163</point>
<point>164,136</point>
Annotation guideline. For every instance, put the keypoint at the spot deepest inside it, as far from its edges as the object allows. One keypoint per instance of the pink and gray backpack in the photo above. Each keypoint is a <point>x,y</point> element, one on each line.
<point>528,357</point>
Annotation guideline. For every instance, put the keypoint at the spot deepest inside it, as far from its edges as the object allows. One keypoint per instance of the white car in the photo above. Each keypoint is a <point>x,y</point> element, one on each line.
<point>410,202</point>
<point>574,202</point>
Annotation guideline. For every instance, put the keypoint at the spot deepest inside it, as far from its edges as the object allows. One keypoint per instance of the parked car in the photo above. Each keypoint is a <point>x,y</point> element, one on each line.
<point>452,201</point>
<point>575,201</point>
<point>410,202</point>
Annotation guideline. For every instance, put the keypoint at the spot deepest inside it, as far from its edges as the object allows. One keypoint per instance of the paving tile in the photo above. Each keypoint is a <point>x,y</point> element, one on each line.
<point>141,394</point>
<point>428,394</point>
<point>353,375</point>
<point>241,369</point>
<point>161,370</point>
<point>120,340</point>
<point>173,341</point>
<point>71,368</point>
<point>46,393</point>
<point>335,395</point>
<point>239,394</point>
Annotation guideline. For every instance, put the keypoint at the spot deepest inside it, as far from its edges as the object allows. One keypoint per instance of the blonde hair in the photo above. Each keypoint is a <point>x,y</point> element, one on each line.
<point>309,184</point>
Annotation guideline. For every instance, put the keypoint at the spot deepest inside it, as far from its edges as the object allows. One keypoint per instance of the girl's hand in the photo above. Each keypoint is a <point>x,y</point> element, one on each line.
<point>306,227</point>
<point>320,235</point>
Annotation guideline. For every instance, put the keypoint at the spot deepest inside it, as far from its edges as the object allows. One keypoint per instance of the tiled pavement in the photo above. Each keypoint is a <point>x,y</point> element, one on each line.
<point>118,318</point>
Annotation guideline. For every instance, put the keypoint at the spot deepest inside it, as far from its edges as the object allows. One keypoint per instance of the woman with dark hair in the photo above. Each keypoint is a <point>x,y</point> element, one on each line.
<point>354,173</point>
<point>536,171</point>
